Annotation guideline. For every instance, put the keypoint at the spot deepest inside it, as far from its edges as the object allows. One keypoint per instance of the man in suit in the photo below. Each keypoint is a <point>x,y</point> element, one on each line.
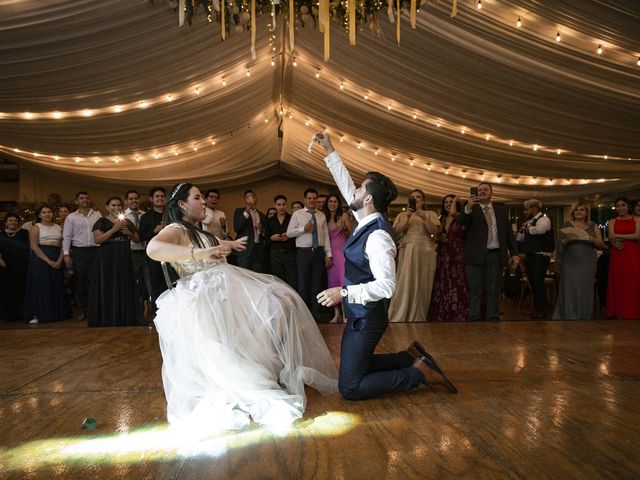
<point>489,247</point>
<point>249,222</point>
<point>370,280</point>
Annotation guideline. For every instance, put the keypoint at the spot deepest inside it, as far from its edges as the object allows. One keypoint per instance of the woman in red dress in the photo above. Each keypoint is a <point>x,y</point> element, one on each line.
<point>450,297</point>
<point>623,291</point>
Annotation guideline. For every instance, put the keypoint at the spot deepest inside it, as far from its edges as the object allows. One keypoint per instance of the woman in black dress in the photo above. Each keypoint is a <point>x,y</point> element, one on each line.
<point>113,301</point>
<point>14,258</point>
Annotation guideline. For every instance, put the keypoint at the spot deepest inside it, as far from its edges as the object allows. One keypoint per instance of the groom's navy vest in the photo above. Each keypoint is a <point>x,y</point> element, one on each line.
<point>357,269</point>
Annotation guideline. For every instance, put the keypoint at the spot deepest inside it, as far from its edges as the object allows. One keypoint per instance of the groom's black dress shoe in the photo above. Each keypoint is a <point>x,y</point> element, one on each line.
<point>430,370</point>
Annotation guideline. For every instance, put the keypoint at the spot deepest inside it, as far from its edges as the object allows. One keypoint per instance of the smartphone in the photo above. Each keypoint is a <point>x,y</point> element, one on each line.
<point>412,204</point>
<point>473,191</point>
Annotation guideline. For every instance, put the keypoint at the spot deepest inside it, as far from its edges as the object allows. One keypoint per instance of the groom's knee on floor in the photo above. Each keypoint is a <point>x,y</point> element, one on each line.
<point>350,390</point>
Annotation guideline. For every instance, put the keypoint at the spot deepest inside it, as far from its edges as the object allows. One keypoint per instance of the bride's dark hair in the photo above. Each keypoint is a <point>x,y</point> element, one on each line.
<point>174,214</point>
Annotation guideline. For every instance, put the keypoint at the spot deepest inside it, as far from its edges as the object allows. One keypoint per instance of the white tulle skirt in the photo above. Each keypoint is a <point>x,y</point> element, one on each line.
<point>238,345</point>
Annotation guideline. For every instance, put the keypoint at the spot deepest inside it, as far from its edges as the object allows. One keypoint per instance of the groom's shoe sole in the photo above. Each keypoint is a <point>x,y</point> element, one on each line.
<point>433,375</point>
<point>417,351</point>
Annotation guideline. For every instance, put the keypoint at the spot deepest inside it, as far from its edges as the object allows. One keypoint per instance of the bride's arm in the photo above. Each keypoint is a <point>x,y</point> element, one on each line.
<point>238,245</point>
<point>171,245</point>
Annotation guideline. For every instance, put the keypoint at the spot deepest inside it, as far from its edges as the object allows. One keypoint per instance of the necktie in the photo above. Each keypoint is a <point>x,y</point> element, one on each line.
<point>487,216</point>
<point>314,232</point>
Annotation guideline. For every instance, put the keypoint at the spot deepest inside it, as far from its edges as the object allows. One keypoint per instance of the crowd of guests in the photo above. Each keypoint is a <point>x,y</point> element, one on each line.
<point>453,265</point>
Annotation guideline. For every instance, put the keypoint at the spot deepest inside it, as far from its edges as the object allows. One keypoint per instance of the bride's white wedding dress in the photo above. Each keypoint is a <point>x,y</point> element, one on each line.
<point>237,345</point>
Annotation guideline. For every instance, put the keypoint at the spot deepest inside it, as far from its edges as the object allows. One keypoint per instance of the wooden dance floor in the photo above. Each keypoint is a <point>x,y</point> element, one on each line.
<point>537,400</point>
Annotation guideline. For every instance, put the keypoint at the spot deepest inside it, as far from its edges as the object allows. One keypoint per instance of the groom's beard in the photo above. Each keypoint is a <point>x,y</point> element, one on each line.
<point>356,205</point>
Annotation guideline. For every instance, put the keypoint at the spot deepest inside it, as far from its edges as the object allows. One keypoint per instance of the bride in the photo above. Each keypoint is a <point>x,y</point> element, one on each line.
<point>235,344</point>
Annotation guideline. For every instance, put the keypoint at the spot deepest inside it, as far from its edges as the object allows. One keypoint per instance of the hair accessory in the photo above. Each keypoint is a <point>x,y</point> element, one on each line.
<point>176,191</point>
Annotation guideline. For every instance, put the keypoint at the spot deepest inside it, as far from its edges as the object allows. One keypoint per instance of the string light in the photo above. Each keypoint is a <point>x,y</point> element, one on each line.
<point>519,23</point>
<point>273,61</point>
<point>479,4</point>
<point>558,37</point>
<point>87,113</point>
<point>248,72</point>
<point>535,148</point>
<point>341,86</point>
<point>117,108</point>
<point>366,96</point>
<point>57,114</point>
<point>599,51</point>
<point>318,73</point>
<point>638,62</point>
<point>197,90</point>
<point>142,104</point>
<point>415,116</point>
<point>295,62</point>
<point>169,98</point>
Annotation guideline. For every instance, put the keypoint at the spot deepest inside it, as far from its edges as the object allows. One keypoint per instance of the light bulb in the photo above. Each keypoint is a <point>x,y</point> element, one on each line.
<point>558,37</point>
<point>519,23</point>
<point>87,113</point>
<point>57,115</point>
<point>341,86</point>
<point>415,116</point>
<point>535,148</point>
<point>511,143</point>
<point>197,90</point>
<point>248,72</point>
<point>366,96</point>
<point>169,98</point>
<point>638,62</point>
<point>117,108</point>
<point>558,151</point>
<point>142,104</point>
<point>389,107</point>
<point>479,4</point>
<point>439,124</point>
<point>599,51</point>
<point>273,62</point>
<point>317,73</point>
<point>224,82</point>
<point>295,62</point>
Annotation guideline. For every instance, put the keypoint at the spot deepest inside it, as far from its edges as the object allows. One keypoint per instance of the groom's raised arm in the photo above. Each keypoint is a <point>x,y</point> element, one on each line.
<point>339,172</point>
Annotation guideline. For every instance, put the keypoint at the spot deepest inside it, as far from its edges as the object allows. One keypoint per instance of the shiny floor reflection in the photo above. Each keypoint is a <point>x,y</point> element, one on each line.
<point>537,400</point>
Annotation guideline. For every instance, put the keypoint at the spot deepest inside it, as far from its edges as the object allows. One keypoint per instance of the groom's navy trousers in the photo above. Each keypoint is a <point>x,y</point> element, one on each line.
<point>362,373</point>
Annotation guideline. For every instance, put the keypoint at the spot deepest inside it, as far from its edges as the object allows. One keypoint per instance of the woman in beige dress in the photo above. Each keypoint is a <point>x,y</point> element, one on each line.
<point>416,262</point>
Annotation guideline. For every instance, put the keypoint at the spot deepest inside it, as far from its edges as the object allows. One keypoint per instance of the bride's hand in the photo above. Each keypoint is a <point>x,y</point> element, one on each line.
<point>216,252</point>
<point>239,245</point>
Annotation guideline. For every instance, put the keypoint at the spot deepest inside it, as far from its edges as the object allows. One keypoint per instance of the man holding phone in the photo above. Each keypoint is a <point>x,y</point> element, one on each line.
<point>488,248</point>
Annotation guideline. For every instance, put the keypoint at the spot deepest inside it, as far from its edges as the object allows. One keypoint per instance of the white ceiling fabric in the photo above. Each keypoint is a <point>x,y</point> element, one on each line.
<point>475,71</point>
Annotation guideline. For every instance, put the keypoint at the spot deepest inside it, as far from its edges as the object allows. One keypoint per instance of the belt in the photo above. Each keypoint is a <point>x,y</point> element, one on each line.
<point>319,247</point>
<point>493,250</point>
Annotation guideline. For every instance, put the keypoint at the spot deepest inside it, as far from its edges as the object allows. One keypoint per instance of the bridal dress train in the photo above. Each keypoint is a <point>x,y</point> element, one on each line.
<point>237,345</point>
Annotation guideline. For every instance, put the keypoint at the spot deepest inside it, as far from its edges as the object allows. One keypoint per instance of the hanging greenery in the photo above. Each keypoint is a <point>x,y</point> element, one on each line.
<point>237,11</point>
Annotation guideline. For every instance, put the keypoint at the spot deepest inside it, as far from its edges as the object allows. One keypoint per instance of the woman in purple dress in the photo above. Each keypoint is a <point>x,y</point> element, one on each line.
<point>340,228</point>
<point>450,296</point>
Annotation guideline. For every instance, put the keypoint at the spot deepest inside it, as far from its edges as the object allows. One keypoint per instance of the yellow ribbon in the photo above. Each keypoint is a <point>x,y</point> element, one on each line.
<point>324,13</point>
<point>352,22</point>
<point>398,26</point>
<point>223,32</point>
<point>253,29</point>
<point>413,14</point>
<point>292,18</point>
<point>454,8</point>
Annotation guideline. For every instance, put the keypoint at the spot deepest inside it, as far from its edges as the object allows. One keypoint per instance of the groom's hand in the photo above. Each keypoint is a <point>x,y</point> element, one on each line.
<point>329,297</point>
<point>323,139</point>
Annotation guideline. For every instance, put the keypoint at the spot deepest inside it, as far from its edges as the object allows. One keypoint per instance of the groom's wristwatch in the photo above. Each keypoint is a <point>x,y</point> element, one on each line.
<point>344,293</point>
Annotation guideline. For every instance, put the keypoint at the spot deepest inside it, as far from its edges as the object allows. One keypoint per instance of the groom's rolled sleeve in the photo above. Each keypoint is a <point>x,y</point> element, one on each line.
<point>381,251</point>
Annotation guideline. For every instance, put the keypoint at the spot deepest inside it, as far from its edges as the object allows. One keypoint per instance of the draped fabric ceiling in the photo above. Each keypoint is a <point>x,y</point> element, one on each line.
<point>459,100</point>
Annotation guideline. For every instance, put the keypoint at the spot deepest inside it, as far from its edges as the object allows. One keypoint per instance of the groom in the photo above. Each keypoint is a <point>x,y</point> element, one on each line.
<point>370,280</point>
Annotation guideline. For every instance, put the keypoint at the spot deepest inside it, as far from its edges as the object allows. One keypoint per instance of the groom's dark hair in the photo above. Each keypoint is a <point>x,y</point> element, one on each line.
<point>382,189</point>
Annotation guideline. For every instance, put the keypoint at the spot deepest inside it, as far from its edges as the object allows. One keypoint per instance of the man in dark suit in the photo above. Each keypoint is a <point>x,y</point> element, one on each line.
<point>489,247</point>
<point>250,222</point>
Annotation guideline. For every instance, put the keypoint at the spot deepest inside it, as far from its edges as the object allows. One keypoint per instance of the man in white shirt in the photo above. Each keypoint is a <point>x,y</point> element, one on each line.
<point>79,248</point>
<point>537,242</point>
<point>370,280</point>
<point>313,249</point>
<point>215,221</point>
<point>138,249</point>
